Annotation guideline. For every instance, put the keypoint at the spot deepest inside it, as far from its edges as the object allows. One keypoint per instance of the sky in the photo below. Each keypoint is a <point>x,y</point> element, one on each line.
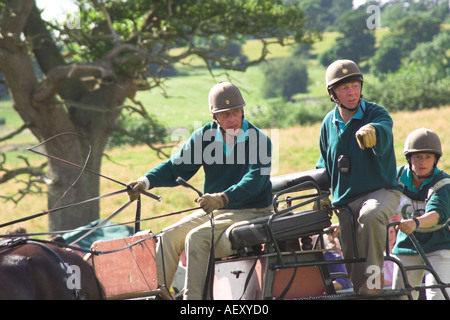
<point>55,9</point>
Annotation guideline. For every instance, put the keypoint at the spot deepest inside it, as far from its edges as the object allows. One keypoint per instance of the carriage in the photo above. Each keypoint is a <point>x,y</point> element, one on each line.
<point>281,256</point>
<point>277,257</point>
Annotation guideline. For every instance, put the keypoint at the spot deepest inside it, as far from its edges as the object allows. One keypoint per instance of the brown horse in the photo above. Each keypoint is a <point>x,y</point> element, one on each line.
<point>37,270</point>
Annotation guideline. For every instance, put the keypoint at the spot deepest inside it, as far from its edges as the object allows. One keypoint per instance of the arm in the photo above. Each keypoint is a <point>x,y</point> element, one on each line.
<point>428,220</point>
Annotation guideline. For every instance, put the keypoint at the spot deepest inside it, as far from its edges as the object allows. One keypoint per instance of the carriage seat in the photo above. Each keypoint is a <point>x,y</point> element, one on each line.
<point>318,176</point>
<point>290,224</point>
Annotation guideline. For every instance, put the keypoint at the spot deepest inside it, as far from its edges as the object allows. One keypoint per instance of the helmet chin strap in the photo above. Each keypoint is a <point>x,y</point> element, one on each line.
<point>349,109</point>
<point>336,100</point>
<point>422,177</point>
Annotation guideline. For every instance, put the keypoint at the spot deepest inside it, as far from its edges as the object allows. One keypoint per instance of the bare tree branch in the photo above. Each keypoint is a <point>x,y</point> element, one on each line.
<point>15,132</point>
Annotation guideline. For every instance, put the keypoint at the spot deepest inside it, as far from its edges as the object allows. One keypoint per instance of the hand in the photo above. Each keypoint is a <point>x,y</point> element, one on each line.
<point>210,202</point>
<point>324,203</point>
<point>366,137</point>
<point>407,226</point>
<point>135,188</point>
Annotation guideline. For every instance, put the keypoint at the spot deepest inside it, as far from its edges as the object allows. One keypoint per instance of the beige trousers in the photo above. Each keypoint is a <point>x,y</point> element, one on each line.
<point>193,234</point>
<point>371,213</point>
<point>439,260</point>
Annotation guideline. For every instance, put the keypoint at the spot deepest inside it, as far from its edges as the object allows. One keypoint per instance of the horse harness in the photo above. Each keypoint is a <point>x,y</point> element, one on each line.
<point>9,243</point>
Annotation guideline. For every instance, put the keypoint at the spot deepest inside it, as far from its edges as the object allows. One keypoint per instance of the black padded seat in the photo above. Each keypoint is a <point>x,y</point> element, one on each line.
<point>290,226</point>
<point>318,176</point>
<point>285,224</point>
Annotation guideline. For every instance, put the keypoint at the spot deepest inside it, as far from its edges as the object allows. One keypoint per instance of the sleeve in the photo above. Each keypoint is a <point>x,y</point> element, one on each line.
<point>382,122</point>
<point>439,202</point>
<point>183,164</point>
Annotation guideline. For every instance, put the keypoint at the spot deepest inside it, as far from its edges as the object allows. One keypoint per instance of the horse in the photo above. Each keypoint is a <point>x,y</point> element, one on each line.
<point>41,270</point>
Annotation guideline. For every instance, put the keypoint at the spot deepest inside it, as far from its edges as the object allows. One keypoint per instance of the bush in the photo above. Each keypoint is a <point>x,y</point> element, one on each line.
<point>284,77</point>
<point>411,88</point>
<point>279,113</point>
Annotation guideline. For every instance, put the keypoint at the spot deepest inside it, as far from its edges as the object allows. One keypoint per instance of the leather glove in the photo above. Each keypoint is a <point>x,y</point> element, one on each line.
<point>366,137</point>
<point>212,201</point>
<point>324,203</point>
<point>135,188</point>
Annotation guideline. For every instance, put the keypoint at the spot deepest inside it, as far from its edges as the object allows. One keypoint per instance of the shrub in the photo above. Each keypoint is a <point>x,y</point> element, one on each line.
<point>284,77</point>
<point>411,88</point>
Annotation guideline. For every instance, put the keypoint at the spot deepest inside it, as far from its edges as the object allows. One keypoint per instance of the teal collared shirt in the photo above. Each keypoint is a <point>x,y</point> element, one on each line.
<point>406,180</point>
<point>439,202</point>
<point>243,136</point>
<point>358,116</point>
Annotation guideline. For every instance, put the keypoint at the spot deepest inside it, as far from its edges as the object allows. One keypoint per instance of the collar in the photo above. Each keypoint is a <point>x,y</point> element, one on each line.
<point>406,179</point>
<point>357,116</point>
<point>243,136</point>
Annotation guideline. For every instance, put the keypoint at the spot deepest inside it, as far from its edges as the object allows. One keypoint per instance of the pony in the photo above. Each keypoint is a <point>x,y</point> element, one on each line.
<point>42,270</point>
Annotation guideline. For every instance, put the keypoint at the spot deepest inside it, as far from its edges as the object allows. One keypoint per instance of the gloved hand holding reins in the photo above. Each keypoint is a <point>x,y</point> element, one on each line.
<point>212,201</point>
<point>135,188</point>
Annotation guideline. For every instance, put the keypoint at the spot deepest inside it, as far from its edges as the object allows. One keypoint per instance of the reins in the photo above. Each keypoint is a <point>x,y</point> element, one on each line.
<point>89,229</point>
<point>33,216</point>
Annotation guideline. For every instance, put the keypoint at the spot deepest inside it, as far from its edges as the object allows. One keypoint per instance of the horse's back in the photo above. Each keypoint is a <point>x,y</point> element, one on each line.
<point>44,271</point>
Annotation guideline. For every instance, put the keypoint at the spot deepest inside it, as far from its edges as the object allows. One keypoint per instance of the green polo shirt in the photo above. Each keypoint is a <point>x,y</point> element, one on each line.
<point>242,171</point>
<point>439,202</point>
<point>371,168</point>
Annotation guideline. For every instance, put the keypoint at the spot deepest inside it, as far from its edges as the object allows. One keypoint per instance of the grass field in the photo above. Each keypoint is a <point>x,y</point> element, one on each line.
<point>297,151</point>
<point>296,148</point>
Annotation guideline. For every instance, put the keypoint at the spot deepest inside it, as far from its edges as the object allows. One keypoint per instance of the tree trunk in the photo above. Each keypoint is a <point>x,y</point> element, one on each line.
<point>49,117</point>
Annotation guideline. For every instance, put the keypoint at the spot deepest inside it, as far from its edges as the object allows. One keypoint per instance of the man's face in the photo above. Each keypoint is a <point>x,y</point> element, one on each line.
<point>349,93</point>
<point>231,120</point>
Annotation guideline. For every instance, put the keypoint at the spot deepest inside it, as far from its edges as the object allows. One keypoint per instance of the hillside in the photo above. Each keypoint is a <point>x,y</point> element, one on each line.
<point>297,151</point>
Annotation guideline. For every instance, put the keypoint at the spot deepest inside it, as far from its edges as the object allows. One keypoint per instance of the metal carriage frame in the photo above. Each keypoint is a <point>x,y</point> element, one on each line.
<point>290,265</point>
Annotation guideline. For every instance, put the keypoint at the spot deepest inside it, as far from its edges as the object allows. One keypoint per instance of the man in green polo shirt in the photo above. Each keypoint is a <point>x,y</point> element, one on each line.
<point>236,159</point>
<point>356,149</point>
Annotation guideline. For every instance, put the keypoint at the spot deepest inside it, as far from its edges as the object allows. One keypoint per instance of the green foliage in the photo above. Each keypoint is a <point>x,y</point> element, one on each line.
<point>156,26</point>
<point>422,81</point>
<point>279,113</point>
<point>391,11</point>
<point>322,13</point>
<point>388,57</point>
<point>404,37</point>
<point>434,53</point>
<point>133,131</point>
<point>284,77</point>
<point>357,42</point>
<point>411,88</point>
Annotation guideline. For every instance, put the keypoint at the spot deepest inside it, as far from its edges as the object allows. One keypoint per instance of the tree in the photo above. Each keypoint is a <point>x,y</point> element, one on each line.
<point>357,41</point>
<point>285,77</point>
<point>92,66</point>
<point>434,53</point>
<point>322,13</point>
<point>405,35</point>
